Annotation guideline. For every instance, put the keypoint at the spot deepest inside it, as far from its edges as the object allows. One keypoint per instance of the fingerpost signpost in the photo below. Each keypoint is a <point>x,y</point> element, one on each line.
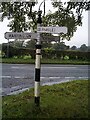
<point>41,29</point>
<point>28,35</point>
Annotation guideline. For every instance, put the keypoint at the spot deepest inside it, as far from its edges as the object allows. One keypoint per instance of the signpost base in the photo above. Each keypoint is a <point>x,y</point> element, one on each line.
<point>37,101</point>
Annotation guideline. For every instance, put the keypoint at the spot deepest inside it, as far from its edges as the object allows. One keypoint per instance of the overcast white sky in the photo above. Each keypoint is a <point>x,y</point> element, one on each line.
<point>80,36</point>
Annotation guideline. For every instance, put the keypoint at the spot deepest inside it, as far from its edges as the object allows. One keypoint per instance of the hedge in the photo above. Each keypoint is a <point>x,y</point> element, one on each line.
<point>46,54</point>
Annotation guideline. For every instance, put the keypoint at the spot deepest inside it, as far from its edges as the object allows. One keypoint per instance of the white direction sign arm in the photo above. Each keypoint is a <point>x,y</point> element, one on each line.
<point>51,29</point>
<point>20,35</point>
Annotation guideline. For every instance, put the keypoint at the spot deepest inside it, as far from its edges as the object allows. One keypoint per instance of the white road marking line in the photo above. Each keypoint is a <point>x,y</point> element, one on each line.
<point>54,77</point>
<point>15,67</point>
<point>83,77</point>
<point>64,77</point>
<point>5,76</point>
<point>51,77</point>
<point>21,77</point>
<point>18,77</point>
<point>70,77</point>
<point>60,67</point>
<point>19,67</point>
<point>42,77</point>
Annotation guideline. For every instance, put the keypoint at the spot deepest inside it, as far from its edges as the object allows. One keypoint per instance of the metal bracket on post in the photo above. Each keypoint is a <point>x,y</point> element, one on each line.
<point>38,63</point>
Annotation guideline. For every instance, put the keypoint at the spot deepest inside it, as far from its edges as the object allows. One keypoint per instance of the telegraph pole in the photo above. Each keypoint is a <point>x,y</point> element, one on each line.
<point>37,63</point>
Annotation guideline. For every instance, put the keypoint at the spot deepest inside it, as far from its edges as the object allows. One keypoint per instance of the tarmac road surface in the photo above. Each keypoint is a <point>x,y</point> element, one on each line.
<point>19,77</point>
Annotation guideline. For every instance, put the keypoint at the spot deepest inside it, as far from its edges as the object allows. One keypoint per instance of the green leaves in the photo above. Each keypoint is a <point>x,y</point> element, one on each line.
<point>19,12</point>
<point>62,19</point>
<point>23,18</point>
<point>68,14</point>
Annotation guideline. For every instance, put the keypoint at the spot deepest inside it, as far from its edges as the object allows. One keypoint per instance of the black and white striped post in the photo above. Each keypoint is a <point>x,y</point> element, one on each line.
<point>8,49</point>
<point>38,63</point>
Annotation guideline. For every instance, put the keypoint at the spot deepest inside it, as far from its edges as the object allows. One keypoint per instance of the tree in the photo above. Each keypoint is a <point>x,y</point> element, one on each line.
<point>65,15</point>
<point>0,47</point>
<point>73,48</point>
<point>60,46</point>
<point>88,48</point>
<point>31,44</point>
<point>17,12</point>
<point>83,48</point>
<point>16,43</point>
<point>23,18</point>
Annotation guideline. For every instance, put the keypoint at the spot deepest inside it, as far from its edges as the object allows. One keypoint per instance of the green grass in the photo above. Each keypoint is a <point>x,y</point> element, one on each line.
<point>57,61</point>
<point>18,61</point>
<point>43,61</point>
<point>66,100</point>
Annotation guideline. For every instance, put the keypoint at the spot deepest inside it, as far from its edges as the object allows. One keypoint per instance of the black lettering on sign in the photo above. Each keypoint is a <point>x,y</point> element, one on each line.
<point>52,30</point>
<point>12,35</point>
<point>9,35</point>
<point>39,29</point>
<point>28,36</point>
<point>20,35</point>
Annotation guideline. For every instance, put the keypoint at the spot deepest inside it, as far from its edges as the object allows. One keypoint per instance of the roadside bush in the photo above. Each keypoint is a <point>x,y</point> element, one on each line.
<point>47,52</point>
<point>27,57</point>
<point>15,57</point>
<point>13,52</point>
<point>66,57</point>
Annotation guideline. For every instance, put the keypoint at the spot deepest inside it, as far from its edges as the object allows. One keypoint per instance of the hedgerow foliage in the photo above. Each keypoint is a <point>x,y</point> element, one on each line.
<point>52,54</point>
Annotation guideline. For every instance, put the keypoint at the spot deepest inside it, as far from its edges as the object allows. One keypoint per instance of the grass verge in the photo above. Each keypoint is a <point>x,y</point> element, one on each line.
<point>66,100</point>
<point>43,61</point>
